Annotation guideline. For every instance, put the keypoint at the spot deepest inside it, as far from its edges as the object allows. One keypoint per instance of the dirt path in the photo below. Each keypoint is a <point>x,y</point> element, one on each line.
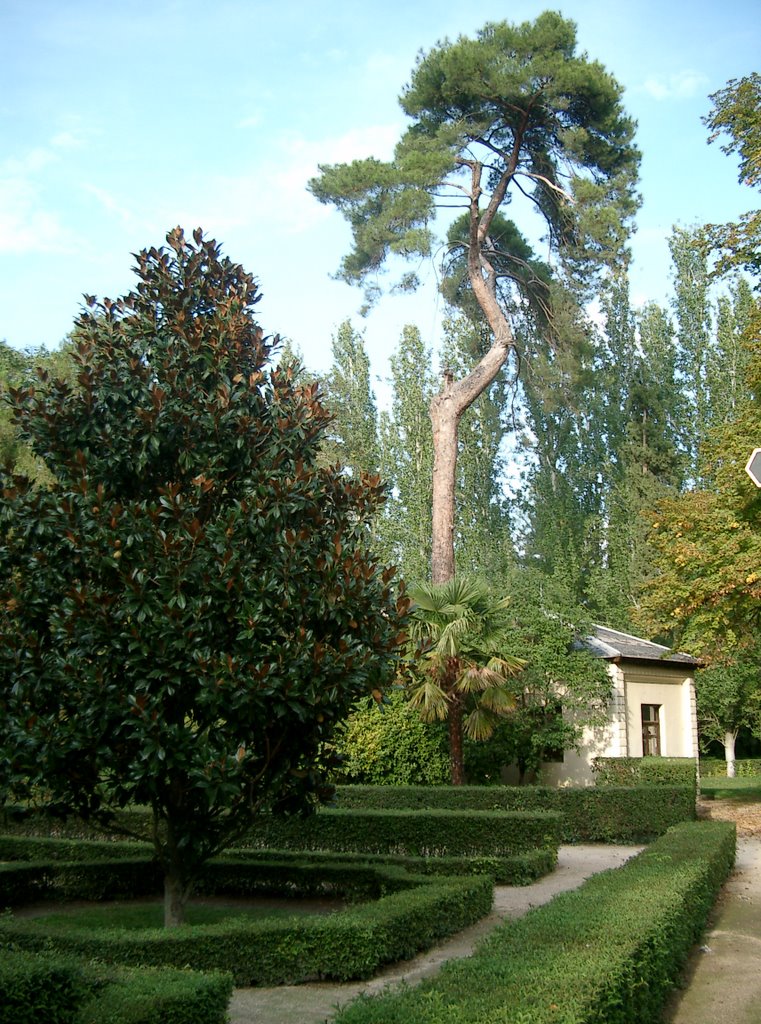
<point>722,982</point>
<point>317,1003</point>
<point>723,978</point>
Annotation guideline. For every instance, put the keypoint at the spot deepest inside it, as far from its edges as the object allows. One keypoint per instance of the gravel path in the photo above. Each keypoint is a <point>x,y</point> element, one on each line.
<point>723,979</point>
<point>317,1003</point>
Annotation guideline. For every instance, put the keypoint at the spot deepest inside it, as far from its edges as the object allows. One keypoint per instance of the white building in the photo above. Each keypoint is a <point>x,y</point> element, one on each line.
<point>651,710</point>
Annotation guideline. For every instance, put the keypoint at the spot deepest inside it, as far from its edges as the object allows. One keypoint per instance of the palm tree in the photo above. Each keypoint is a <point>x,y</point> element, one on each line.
<point>459,626</point>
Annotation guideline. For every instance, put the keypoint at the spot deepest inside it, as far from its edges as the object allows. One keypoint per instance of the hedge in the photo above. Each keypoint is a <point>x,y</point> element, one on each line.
<point>49,988</point>
<point>517,869</point>
<point>645,771</point>
<point>609,952</point>
<point>150,996</point>
<point>419,833</point>
<point>46,988</point>
<point>413,912</point>
<point>715,767</point>
<point>589,815</point>
<point>25,882</point>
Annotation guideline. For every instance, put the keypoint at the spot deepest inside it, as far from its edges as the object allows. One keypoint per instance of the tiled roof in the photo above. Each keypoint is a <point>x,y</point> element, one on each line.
<point>610,643</point>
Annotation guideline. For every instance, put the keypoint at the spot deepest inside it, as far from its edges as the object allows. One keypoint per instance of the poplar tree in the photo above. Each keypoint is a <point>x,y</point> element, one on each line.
<point>407,458</point>
<point>353,435</point>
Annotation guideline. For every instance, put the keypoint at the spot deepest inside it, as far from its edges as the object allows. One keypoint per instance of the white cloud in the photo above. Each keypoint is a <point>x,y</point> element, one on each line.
<point>682,85</point>
<point>109,203</point>
<point>24,225</point>
<point>65,140</point>
<point>271,198</point>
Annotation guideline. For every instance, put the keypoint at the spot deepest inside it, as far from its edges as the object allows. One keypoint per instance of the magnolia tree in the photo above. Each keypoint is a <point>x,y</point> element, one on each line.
<point>514,119</point>
<point>191,606</point>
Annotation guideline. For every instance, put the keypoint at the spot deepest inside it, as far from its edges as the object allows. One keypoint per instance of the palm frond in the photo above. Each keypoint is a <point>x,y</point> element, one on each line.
<point>498,699</point>
<point>430,700</point>
<point>479,724</point>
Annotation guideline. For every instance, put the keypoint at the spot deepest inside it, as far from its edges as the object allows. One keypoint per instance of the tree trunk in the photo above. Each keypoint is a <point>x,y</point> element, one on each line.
<point>444,421</point>
<point>175,897</point>
<point>729,752</point>
<point>456,759</point>
<point>456,396</point>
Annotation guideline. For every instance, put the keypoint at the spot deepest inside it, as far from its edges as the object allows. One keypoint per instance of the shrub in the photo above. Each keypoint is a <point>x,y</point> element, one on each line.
<point>608,952</point>
<point>388,744</point>
<point>84,880</point>
<point>645,771</point>
<point>589,815</point>
<point>517,869</point>
<point>48,988</point>
<point>412,912</point>
<point>150,996</point>
<point>714,767</point>
<point>422,832</point>
<point>38,989</point>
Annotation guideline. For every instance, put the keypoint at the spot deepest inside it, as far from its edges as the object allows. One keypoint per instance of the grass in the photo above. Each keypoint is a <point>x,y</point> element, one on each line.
<point>137,916</point>
<point>743,789</point>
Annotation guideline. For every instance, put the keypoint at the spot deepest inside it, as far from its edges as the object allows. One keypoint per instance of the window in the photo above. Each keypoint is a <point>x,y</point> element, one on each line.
<point>651,730</point>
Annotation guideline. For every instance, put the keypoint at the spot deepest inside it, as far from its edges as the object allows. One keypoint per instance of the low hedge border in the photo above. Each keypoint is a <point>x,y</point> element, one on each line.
<point>746,767</point>
<point>411,913</point>
<point>608,952</point>
<point>589,815</point>
<point>36,988</point>
<point>645,771</point>
<point>48,988</point>
<point>517,869</point>
<point>45,848</point>
<point>424,831</point>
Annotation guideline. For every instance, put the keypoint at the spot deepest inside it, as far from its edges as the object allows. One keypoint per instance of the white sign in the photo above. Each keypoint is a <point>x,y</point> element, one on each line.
<point>753,466</point>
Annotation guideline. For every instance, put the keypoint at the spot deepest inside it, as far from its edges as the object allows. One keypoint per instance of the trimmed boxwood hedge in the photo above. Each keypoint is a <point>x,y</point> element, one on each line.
<point>589,815</point>
<point>714,767</point>
<point>425,832</point>
<point>36,989</point>
<point>49,988</point>
<point>408,913</point>
<point>517,869</point>
<point>609,952</point>
<point>645,771</point>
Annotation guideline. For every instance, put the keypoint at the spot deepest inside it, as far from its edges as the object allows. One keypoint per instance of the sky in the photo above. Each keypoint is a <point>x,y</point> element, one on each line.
<point>120,119</point>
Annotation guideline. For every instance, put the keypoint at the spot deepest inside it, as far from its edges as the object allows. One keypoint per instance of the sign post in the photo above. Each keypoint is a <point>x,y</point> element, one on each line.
<point>753,466</point>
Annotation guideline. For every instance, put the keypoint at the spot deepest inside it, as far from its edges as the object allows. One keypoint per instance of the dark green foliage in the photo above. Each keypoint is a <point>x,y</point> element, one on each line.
<point>42,848</point>
<point>192,606</point>
<point>149,996</point>
<point>540,116</point>
<point>429,833</point>
<point>645,771</point>
<point>61,880</point>
<point>589,815</point>
<point>517,869</point>
<point>55,989</point>
<point>609,952</point>
<point>407,913</point>
<point>40,989</point>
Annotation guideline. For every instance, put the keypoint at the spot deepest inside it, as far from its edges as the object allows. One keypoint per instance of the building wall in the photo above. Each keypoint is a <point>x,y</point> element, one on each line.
<point>633,684</point>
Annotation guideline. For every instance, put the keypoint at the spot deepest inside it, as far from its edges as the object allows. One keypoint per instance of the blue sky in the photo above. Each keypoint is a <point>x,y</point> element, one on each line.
<point>122,118</point>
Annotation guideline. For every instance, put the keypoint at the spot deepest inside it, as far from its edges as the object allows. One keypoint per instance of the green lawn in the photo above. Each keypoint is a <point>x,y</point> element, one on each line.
<point>136,916</point>
<point>744,789</point>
